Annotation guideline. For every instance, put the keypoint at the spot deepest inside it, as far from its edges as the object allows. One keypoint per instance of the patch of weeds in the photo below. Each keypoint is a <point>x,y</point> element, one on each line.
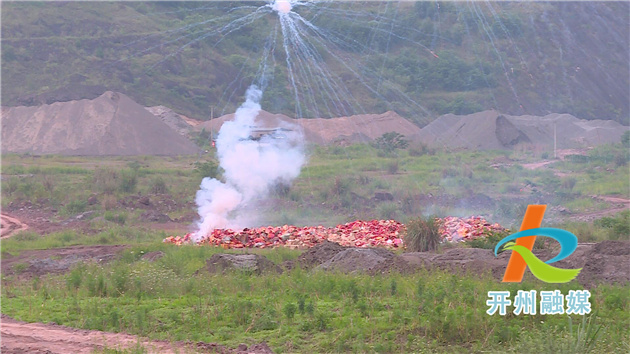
<point>128,181</point>
<point>388,211</point>
<point>422,235</point>
<point>20,268</point>
<point>290,310</point>
<point>75,278</point>
<point>118,218</point>
<point>74,207</point>
<point>158,186</point>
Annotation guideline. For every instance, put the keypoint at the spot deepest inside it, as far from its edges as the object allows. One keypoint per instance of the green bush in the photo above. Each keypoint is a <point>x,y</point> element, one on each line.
<point>104,180</point>
<point>118,218</point>
<point>158,186</point>
<point>207,169</point>
<point>75,207</point>
<point>422,235</point>
<point>391,141</point>
<point>392,167</point>
<point>387,211</point>
<point>289,310</point>
<point>128,180</point>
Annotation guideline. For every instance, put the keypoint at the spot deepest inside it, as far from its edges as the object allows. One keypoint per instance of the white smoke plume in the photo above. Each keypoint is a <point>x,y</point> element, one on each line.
<point>251,167</point>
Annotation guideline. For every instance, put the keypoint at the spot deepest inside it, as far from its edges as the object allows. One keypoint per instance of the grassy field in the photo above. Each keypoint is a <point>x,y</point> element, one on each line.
<point>337,185</point>
<point>299,311</point>
<point>303,312</point>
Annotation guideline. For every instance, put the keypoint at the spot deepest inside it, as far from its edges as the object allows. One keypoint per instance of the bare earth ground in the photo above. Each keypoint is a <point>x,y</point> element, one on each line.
<point>21,337</point>
<point>10,226</point>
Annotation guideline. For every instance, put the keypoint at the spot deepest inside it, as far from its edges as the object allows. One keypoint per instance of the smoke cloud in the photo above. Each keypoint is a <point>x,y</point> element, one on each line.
<point>251,167</point>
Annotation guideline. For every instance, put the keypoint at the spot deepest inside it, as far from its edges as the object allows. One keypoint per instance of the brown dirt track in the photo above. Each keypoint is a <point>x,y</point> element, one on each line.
<point>10,226</point>
<point>21,337</point>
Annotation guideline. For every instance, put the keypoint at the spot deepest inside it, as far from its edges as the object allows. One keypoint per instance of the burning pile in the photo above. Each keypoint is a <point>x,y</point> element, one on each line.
<point>375,233</point>
<point>454,229</point>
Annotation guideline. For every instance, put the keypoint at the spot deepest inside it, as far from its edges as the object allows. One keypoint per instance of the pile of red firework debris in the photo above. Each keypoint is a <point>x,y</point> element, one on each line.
<point>375,233</point>
<point>454,229</point>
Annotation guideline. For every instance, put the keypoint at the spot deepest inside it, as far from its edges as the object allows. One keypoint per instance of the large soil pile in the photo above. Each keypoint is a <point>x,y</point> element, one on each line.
<point>353,129</point>
<point>181,124</point>
<point>490,130</point>
<point>111,124</point>
<point>264,119</point>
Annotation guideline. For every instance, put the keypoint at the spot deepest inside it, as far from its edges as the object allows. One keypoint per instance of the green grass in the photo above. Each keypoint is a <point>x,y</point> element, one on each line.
<point>113,235</point>
<point>335,183</point>
<point>297,311</point>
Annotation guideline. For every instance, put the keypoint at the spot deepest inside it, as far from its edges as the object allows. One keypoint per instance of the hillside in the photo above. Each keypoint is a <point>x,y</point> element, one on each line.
<point>419,59</point>
<point>111,124</point>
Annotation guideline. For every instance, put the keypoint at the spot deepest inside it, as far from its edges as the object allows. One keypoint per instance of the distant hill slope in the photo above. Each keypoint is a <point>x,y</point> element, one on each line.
<point>459,57</point>
<point>111,124</point>
<point>490,130</point>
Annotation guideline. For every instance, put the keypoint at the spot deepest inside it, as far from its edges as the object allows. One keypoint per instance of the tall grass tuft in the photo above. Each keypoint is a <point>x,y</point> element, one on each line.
<point>422,235</point>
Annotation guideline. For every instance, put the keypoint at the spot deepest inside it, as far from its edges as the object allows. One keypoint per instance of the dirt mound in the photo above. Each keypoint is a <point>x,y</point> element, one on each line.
<point>246,262</point>
<point>490,130</point>
<point>604,262</point>
<point>56,260</point>
<point>319,254</point>
<point>358,260</point>
<point>111,124</point>
<point>264,119</point>
<point>178,123</point>
<point>359,128</point>
<point>345,130</point>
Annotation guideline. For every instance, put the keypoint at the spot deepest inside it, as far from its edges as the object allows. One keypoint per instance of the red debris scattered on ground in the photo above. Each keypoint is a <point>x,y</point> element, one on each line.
<point>375,233</point>
<point>454,229</point>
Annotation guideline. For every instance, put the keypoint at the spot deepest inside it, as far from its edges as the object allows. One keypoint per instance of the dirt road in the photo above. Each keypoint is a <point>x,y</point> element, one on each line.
<point>10,226</point>
<point>20,337</point>
<point>39,338</point>
<point>618,205</point>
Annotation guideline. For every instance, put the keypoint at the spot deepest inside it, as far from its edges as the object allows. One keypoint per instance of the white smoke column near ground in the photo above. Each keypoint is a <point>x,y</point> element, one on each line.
<point>250,167</point>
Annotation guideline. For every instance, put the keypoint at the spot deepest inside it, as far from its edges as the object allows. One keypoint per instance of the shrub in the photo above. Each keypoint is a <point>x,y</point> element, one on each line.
<point>75,207</point>
<point>422,235</point>
<point>158,186</point>
<point>391,141</point>
<point>568,183</point>
<point>363,180</point>
<point>392,167</point>
<point>118,218</point>
<point>207,169</point>
<point>490,240</point>
<point>104,180</point>
<point>289,310</point>
<point>109,202</point>
<point>341,186</point>
<point>387,211</point>
<point>128,181</point>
